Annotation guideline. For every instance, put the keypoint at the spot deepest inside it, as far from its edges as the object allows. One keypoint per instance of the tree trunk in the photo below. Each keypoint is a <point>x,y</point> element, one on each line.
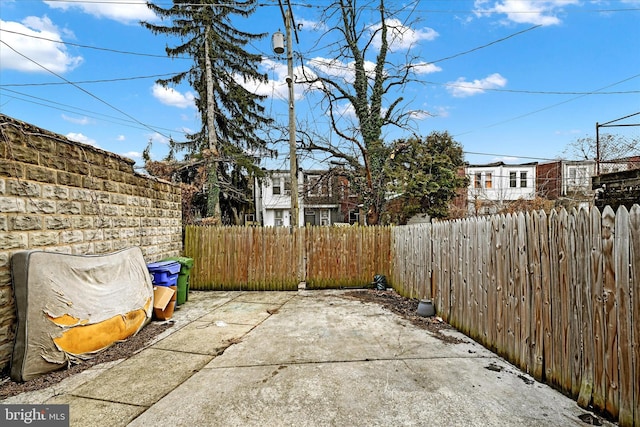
<point>372,216</point>
<point>213,188</point>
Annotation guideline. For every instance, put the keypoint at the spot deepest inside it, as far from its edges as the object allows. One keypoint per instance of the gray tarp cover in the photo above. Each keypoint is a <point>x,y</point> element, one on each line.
<point>92,288</point>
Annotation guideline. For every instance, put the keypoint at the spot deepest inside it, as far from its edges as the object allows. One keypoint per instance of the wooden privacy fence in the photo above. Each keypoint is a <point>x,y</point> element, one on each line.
<point>558,296</point>
<point>276,258</point>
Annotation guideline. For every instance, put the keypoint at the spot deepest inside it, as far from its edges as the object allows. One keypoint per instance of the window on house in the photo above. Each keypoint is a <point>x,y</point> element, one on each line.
<point>287,186</point>
<point>279,220</point>
<point>578,176</point>
<point>478,180</point>
<point>513,181</point>
<point>324,217</point>
<point>326,187</point>
<point>354,216</point>
<point>313,188</point>
<point>523,179</point>
<point>488,180</point>
<point>277,186</point>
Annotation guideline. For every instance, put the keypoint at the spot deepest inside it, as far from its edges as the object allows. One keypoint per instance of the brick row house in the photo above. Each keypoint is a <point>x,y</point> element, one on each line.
<point>324,199</point>
<point>568,182</point>
<point>493,186</point>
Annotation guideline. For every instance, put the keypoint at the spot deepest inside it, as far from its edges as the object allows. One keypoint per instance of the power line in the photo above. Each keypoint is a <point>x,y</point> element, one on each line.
<point>533,92</point>
<point>104,49</point>
<point>509,155</point>
<point>86,91</point>
<point>550,106</point>
<point>485,45</point>
<point>322,6</point>
<point>75,110</point>
<point>87,81</point>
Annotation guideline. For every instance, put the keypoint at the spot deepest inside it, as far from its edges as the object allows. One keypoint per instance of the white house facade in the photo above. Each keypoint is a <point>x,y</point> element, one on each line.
<point>493,185</point>
<point>273,199</point>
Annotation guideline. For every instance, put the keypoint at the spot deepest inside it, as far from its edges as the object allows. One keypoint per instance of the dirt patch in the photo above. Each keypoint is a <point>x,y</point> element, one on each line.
<point>405,307</point>
<point>117,351</point>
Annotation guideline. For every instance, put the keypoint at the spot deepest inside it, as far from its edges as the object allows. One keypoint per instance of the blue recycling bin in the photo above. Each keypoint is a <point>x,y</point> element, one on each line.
<point>164,273</point>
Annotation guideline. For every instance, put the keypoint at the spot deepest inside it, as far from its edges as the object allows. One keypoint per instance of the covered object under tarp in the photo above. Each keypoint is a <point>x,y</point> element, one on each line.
<point>71,306</point>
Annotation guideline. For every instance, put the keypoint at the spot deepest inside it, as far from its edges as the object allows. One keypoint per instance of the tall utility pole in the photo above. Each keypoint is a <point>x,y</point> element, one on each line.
<point>293,164</point>
<point>295,209</point>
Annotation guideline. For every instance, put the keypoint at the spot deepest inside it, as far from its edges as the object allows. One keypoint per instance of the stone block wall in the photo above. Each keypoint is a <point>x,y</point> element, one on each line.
<point>63,196</point>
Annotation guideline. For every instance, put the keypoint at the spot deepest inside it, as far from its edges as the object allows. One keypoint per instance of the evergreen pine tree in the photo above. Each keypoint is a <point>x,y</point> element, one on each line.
<point>231,115</point>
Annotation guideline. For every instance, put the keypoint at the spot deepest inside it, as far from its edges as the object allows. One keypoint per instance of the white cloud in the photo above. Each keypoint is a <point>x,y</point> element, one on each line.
<point>160,139</point>
<point>507,159</point>
<point>305,24</point>
<point>338,69</point>
<point>401,37</point>
<point>420,114</point>
<point>425,68</point>
<point>120,138</point>
<point>78,137</point>
<point>462,88</point>
<point>80,121</point>
<point>38,44</point>
<point>130,13</point>
<point>277,86</point>
<point>441,112</point>
<point>170,96</point>
<point>135,155</point>
<point>345,110</point>
<point>538,12</point>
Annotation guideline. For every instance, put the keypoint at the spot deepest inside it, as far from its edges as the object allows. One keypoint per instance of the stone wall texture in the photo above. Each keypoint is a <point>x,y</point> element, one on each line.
<point>62,196</point>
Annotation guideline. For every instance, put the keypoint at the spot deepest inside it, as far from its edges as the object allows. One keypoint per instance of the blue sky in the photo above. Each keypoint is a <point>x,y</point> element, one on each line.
<point>512,80</point>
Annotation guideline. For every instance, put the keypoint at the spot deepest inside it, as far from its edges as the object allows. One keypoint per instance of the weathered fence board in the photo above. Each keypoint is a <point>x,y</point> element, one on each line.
<point>599,393</point>
<point>585,284</point>
<point>624,320</point>
<point>575,317</point>
<point>545,282</point>
<point>610,312</point>
<point>634,257</point>
<point>535,285</point>
<point>557,295</point>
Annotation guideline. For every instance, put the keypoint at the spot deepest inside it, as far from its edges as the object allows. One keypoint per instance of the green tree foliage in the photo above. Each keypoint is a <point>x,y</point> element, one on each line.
<point>425,174</point>
<point>231,115</point>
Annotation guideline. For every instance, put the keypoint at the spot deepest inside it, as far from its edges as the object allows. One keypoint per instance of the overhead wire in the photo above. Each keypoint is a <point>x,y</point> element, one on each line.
<point>85,91</point>
<point>103,49</point>
<point>581,94</point>
<point>76,110</point>
<point>121,79</point>
<point>549,106</point>
<point>319,5</point>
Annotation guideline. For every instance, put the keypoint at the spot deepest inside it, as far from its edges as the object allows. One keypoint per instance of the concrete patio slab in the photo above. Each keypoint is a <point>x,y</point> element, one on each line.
<point>240,312</point>
<point>316,358</point>
<point>277,298</point>
<point>199,337</point>
<point>313,328</point>
<point>93,412</point>
<point>144,378</point>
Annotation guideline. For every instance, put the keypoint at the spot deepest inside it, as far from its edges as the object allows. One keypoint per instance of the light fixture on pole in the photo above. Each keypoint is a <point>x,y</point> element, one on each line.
<point>278,41</point>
